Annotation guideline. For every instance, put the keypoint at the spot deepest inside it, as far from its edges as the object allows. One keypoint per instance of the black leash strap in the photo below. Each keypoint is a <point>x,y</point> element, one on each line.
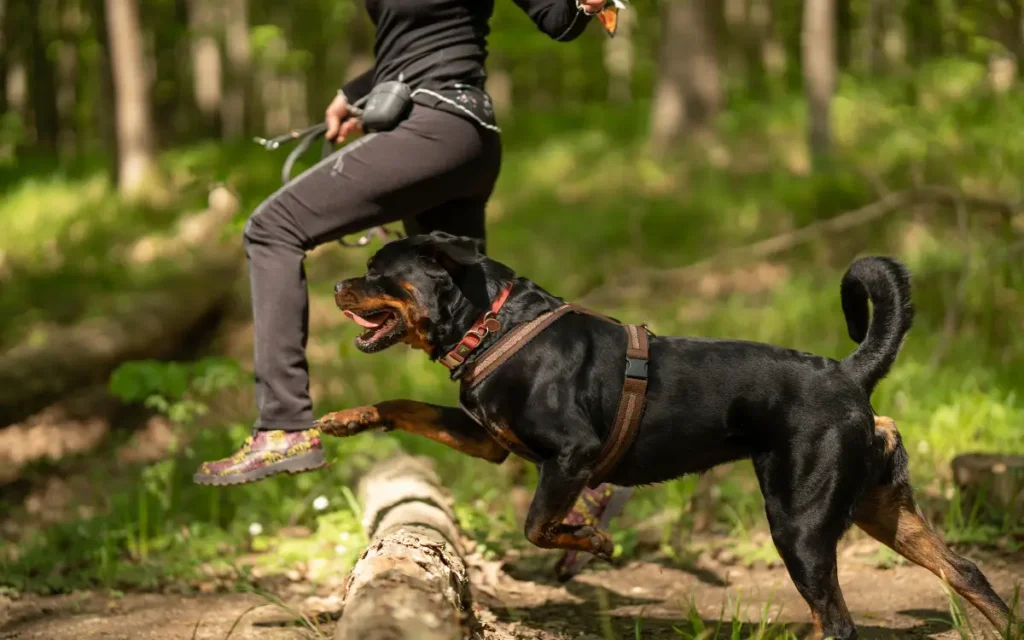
<point>306,138</point>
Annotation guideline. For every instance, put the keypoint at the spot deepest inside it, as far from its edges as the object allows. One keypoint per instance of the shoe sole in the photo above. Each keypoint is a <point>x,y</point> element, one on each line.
<point>614,507</point>
<point>310,461</point>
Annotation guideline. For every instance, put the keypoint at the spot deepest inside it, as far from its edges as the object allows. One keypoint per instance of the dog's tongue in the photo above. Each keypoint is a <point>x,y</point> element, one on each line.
<point>372,322</point>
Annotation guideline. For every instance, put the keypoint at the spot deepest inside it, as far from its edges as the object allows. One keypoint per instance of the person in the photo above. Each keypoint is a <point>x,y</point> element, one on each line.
<point>434,171</point>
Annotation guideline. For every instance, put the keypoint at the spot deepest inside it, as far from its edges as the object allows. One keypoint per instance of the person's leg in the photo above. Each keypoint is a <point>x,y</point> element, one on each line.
<point>431,158</point>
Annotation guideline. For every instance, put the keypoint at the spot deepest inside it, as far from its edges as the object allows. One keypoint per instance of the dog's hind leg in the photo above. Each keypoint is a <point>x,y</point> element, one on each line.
<point>890,514</point>
<point>808,504</point>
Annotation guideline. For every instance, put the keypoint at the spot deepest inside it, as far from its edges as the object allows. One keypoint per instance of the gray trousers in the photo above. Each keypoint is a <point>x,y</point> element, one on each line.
<point>436,171</point>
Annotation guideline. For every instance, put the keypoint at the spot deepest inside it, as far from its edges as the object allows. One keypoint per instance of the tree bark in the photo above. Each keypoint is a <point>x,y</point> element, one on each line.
<point>237,98</point>
<point>136,164</point>
<point>819,64</point>
<point>411,582</point>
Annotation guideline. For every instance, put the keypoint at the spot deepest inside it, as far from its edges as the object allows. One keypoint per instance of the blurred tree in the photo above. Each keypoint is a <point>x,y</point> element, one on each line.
<point>844,32</point>
<point>819,64</point>
<point>876,25</point>
<point>688,92</point>
<point>6,31</point>
<point>234,114</point>
<point>205,25</point>
<point>620,59</point>
<point>136,166</point>
<point>42,79</point>
<point>925,25</point>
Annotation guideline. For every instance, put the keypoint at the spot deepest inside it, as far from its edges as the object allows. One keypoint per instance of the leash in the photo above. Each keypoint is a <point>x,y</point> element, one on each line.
<point>306,138</point>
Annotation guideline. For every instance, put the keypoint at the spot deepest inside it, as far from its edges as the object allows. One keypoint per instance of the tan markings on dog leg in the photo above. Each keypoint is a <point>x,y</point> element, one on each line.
<point>572,538</point>
<point>886,427</point>
<point>426,420</point>
<point>891,516</point>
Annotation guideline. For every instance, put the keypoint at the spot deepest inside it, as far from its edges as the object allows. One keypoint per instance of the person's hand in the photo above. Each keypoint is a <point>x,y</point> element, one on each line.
<point>337,130</point>
<point>590,7</point>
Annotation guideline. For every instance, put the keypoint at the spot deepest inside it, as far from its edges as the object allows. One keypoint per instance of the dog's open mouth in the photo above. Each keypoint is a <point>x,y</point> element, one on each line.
<point>383,328</point>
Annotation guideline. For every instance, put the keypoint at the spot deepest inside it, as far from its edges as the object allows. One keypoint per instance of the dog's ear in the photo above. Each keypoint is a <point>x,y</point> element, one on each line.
<point>463,260</point>
<point>453,253</point>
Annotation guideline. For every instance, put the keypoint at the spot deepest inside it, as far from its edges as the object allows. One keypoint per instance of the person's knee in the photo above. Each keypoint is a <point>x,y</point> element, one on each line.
<point>268,226</point>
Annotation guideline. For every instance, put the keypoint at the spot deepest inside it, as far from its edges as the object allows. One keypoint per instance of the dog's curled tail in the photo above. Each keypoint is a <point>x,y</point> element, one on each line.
<point>886,282</point>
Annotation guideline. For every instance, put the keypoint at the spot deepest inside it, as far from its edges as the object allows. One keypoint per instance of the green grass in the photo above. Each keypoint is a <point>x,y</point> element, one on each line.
<point>577,204</point>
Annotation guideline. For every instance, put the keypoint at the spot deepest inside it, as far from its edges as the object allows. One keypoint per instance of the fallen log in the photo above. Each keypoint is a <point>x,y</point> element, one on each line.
<point>43,370</point>
<point>411,582</point>
<point>638,283</point>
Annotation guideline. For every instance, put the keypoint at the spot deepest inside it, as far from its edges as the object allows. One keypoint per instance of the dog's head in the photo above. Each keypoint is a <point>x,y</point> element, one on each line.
<point>424,290</point>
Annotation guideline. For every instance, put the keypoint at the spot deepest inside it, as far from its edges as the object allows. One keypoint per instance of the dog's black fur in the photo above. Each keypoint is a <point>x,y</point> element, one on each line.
<point>823,459</point>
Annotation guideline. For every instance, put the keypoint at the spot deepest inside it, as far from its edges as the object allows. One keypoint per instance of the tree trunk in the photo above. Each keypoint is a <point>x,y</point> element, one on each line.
<point>688,93</point>
<point>68,72</point>
<point>42,82</point>
<point>876,37</point>
<point>237,98</point>
<point>136,165</point>
<point>925,29</point>
<point>844,33</point>
<point>411,582</point>
<point>204,23</point>
<point>105,119</point>
<point>819,64</point>
<point>6,31</point>
<point>668,115</point>
<point>620,59</point>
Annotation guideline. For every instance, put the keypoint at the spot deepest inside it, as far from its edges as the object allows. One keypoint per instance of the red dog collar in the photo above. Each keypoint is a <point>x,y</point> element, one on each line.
<point>485,325</point>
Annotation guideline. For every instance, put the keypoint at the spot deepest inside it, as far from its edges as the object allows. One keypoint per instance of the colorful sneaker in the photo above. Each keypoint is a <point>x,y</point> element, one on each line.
<point>595,507</point>
<point>265,453</point>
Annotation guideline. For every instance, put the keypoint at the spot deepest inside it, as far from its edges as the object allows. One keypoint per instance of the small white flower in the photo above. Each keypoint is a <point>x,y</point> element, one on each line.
<point>255,529</point>
<point>716,492</point>
<point>321,503</point>
<point>344,536</point>
<point>922,447</point>
<point>340,549</point>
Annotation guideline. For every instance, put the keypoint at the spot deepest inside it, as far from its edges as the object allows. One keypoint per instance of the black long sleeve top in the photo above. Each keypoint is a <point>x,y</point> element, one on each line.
<point>445,41</point>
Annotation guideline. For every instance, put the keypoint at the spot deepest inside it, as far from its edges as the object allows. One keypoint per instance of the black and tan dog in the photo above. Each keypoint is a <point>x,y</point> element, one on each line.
<point>824,460</point>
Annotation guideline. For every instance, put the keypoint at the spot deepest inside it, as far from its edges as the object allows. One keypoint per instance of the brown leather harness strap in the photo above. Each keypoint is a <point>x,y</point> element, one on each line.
<point>631,401</point>
<point>631,405</point>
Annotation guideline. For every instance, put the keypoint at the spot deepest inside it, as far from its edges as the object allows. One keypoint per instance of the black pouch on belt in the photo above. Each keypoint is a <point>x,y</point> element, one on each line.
<point>387,105</point>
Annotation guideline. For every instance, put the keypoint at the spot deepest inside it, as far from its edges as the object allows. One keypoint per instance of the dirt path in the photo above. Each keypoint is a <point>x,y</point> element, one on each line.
<point>519,600</point>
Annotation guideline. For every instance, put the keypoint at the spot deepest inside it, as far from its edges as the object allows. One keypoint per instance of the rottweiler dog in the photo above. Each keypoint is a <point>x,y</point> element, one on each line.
<point>823,458</point>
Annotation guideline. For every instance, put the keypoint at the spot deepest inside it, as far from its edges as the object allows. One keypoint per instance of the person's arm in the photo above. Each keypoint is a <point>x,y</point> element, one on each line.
<point>359,87</point>
<point>561,20</point>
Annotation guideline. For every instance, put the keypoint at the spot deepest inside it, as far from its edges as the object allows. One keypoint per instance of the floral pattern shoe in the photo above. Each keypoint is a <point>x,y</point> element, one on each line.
<point>596,508</point>
<point>264,454</point>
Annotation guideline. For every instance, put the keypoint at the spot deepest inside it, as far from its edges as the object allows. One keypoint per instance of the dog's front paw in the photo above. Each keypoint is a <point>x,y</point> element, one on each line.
<point>601,545</point>
<point>349,422</point>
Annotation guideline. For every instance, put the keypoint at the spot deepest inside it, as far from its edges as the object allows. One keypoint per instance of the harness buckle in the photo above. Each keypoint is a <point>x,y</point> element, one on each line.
<point>636,368</point>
